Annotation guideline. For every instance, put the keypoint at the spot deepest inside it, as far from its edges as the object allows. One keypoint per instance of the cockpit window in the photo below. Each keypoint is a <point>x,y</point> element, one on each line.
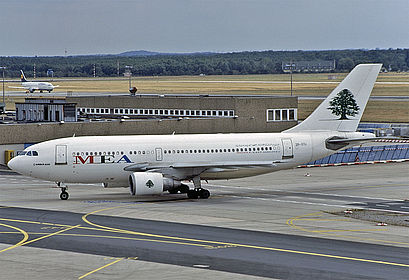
<point>27,153</point>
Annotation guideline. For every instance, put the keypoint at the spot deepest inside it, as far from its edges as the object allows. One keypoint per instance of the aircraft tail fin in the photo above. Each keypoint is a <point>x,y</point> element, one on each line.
<point>343,108</point>
<point>23,78</point>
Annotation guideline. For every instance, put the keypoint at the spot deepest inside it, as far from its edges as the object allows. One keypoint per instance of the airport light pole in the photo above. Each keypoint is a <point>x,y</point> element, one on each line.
<point>129,70</point>
<point>4,104</point>
<point>291,65</point>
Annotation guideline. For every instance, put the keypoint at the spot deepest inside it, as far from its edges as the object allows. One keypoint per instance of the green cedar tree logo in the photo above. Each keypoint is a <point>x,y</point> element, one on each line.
<point>344,104</point>
<point>149,184</point>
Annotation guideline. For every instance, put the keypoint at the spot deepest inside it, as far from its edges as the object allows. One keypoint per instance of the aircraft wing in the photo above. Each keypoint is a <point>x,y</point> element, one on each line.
<point>16,87</point>
<point>144,166</point>
<point>186,169</point>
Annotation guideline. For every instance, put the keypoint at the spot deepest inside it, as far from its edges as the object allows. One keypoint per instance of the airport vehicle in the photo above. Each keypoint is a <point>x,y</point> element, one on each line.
<point>152,164</point>
<point>33,86</point>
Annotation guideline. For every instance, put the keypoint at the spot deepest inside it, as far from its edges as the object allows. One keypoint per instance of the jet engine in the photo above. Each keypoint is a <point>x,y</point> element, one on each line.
<point>146,183</point>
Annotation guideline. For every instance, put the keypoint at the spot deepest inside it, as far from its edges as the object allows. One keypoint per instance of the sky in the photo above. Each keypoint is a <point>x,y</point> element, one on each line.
<point>49,27</point>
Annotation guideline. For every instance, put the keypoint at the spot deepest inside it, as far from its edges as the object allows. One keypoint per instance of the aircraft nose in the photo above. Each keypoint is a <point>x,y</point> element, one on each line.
<point>13,164</point>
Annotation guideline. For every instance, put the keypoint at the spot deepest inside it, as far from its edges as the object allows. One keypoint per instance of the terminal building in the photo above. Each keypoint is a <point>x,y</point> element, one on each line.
<point>308,66</point>
<point>271,112</point>
<point>46,110</point>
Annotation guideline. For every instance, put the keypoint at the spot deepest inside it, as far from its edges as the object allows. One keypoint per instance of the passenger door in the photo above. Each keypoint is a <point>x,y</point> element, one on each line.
<point>159,156</point>
<point>60,154</point>
<point>287,148</point>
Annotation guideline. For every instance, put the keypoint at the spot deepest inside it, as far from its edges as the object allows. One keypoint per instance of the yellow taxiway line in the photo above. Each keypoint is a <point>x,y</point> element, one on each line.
<point>99,268</point>
<point>84,218</point>
<point>25,238</point>
<point>187,241</point>
<point>290,222</point>
<point>25,242</point>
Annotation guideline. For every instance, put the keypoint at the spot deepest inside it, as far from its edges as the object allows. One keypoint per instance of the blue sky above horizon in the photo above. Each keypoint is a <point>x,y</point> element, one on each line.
<point>49,27</point>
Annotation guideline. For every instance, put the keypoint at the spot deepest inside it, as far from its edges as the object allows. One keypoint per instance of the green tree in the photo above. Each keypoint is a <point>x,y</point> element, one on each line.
<point>344,104</point>
<point>346,63</point>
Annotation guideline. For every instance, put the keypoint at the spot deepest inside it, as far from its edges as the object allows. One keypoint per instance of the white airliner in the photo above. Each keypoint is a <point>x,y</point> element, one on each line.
<point>33,86</point>
<point>152,164</point>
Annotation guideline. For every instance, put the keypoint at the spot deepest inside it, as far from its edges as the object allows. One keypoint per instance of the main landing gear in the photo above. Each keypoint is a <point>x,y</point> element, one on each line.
<point>182,189</point>
<point>64,194</point>
<point>198,191</point>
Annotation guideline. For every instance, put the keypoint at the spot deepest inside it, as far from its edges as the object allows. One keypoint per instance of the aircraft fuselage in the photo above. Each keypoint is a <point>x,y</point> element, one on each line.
<point>32,86</point>
<point>102,159</point>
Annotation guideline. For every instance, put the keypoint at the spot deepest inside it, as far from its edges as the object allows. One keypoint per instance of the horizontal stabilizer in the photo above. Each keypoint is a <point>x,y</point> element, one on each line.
<point>351,140</point>
<point>336,143</point>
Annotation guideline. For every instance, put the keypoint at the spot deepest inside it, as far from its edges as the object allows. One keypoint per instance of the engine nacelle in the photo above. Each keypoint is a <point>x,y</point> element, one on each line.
<point>145,183</point>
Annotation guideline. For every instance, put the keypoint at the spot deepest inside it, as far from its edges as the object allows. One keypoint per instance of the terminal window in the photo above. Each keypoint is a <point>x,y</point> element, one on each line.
<point>274,115</point>
<point>175,112</point>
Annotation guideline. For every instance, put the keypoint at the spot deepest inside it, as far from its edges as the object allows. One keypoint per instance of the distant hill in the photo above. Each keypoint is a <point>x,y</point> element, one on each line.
<point>149,53</point>
<point>138,53</point>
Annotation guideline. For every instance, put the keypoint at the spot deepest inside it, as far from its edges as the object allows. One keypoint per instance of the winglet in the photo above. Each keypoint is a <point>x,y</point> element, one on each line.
<point>343,108</point>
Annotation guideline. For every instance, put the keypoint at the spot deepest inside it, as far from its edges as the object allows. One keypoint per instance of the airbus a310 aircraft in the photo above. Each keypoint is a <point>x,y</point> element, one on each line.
<point>33,86</point>
<point>152,164</point>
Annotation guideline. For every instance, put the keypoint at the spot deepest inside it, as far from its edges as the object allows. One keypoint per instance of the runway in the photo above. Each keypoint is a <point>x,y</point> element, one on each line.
<point>60,94</point>
<point>279,225</point>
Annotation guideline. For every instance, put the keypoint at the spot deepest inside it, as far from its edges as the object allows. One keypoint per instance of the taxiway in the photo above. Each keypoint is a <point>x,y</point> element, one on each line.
<point>279,225</point>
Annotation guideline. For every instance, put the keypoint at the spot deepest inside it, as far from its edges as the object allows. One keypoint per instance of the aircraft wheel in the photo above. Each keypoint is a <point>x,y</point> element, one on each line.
<point>204,193</point>
<point>64,195</point>
<point>184,188</point>
<point>192,194</point>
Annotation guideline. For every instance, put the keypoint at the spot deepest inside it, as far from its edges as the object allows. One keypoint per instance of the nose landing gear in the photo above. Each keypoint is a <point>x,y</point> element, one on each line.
<point>64,194</point>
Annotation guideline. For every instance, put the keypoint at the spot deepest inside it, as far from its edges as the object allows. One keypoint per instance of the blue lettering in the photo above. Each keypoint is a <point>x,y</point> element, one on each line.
<point>124,158</point>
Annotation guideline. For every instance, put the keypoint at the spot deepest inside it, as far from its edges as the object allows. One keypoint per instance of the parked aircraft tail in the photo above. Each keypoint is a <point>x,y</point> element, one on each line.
<point>23,78</point>
<point>343,108</point>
